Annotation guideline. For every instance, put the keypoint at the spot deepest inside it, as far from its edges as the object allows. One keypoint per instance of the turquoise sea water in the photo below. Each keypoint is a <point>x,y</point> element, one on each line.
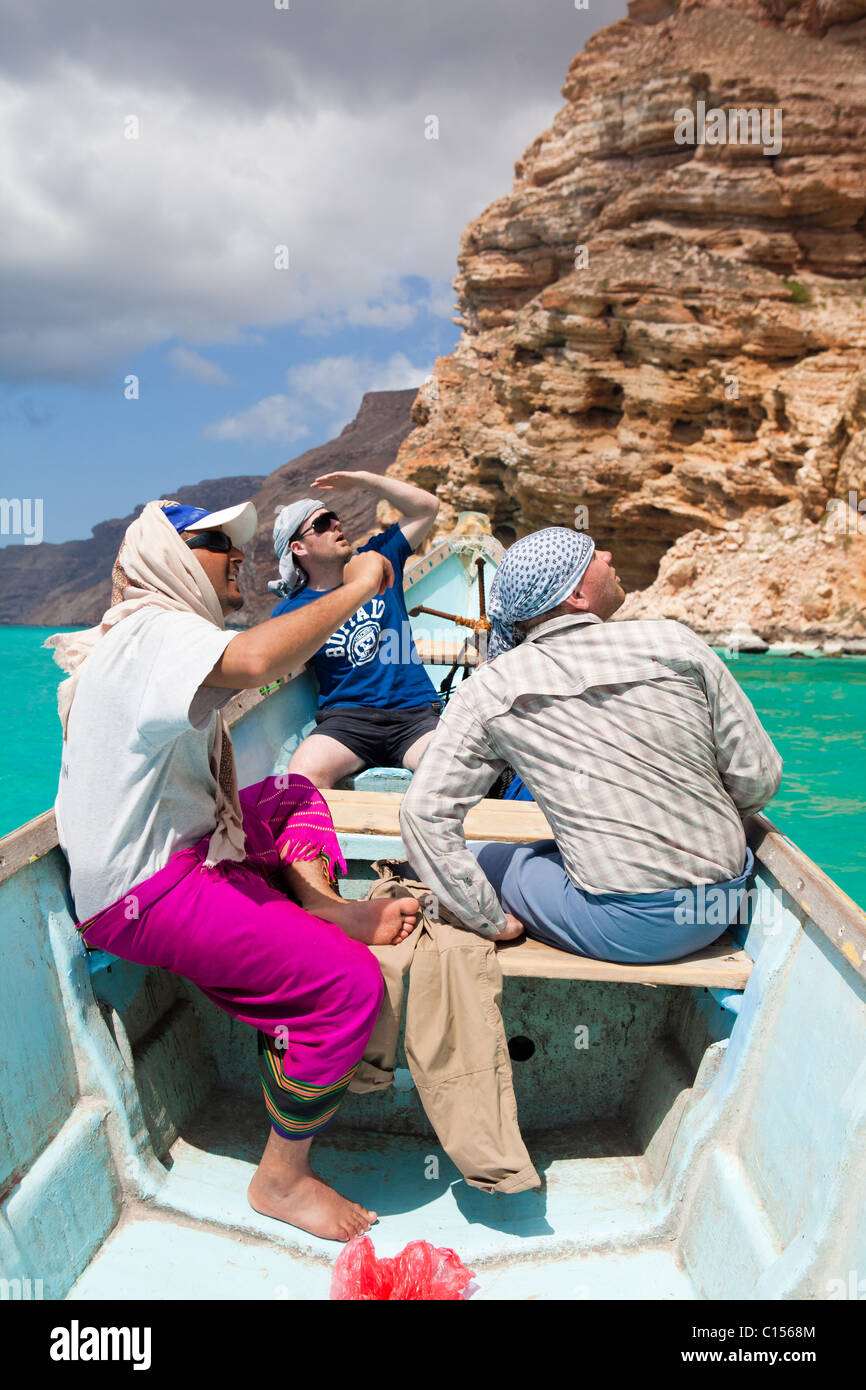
<point>814,708</point>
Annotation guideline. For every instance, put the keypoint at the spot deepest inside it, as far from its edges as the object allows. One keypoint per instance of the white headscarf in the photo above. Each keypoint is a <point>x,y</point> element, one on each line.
<point>154,568</point>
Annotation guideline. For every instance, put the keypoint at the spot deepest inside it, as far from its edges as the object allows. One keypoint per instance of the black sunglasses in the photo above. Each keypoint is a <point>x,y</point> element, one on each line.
<point>211,540</point>
<point>320,525</point>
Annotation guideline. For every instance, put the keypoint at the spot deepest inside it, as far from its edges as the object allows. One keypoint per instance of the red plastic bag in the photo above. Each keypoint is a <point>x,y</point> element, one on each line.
<point>420,1272</point>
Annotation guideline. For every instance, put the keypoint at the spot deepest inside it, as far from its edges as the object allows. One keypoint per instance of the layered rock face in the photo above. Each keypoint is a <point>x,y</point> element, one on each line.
<point>779,577</point>
<point>664,321</point>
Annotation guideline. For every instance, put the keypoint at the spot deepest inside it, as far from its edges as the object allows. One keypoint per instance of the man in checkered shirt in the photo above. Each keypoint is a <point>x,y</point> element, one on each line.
<point>636,742</point>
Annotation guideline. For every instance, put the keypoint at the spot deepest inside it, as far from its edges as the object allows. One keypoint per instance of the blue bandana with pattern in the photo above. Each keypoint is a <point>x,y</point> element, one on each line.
<point>537,574</point>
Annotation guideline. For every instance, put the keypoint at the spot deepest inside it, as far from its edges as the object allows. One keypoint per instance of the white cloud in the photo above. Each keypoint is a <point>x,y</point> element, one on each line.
<point>330,388</point>
<point>113,245</point>
<point>276,418</point>
<point>256,55</point>
<point>442,302</point>
<point>192,364</point>
<point>396,314</point>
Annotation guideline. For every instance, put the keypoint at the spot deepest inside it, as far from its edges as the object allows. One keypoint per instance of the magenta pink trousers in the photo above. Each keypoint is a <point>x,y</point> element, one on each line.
<point>312,992</point>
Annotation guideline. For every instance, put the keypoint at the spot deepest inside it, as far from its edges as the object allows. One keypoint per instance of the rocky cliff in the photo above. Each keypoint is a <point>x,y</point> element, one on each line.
<point>70,583</point>
<point>664,320</point>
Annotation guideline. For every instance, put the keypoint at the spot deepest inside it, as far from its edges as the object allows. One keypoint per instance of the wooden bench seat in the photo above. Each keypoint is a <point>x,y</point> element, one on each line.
<point>446,652</point>
<point>378,813</point>
<point>723,965</point>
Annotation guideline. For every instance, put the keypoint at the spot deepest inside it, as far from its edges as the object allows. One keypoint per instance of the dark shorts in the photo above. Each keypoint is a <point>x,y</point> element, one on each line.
<point>378,736</point>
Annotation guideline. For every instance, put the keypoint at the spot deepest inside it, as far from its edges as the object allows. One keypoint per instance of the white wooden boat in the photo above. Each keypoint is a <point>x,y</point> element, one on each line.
<point>701,1126</point>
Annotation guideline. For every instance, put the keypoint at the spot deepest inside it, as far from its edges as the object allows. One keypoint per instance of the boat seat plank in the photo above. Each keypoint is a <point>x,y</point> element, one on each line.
<point>445,653</point>
<point>723,965</point>
<point>378,813</point>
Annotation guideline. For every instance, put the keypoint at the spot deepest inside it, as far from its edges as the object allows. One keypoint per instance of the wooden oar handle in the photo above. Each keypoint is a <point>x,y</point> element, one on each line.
<point>482,603</point>
<point>452,617</point>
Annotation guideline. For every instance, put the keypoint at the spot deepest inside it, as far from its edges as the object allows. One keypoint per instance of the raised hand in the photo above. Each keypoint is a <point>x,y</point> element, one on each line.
<point>333,482</point>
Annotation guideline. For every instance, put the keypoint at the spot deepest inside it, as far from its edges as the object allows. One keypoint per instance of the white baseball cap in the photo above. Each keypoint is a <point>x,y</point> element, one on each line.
<point>238,522</point>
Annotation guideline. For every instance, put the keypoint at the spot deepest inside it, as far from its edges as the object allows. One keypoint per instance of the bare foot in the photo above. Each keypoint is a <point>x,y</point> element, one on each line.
<point>382,922</point>
<point>311,1205</point>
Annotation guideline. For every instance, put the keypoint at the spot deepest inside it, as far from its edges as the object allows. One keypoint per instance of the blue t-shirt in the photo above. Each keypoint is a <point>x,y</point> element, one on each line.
<point>372,658</point>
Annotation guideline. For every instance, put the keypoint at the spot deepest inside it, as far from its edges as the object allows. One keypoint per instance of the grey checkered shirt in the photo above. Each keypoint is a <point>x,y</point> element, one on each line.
<point>635,740</point>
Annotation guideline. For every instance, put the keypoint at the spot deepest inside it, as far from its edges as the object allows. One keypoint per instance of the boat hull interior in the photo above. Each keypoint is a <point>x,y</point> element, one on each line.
<point>693,1145</point>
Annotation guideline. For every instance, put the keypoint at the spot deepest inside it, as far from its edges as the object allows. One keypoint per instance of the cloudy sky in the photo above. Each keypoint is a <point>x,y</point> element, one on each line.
<point>154,156</point>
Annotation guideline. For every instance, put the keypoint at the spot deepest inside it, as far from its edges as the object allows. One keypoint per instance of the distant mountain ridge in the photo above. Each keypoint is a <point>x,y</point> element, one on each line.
<point>70,582</point>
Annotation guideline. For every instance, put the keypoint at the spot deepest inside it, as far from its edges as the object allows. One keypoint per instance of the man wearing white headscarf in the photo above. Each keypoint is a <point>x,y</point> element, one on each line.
<point>637,744</point>
<point>377,705</point>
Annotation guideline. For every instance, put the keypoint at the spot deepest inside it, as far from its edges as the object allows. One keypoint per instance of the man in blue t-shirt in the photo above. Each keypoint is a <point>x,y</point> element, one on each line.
<point>377,704</point>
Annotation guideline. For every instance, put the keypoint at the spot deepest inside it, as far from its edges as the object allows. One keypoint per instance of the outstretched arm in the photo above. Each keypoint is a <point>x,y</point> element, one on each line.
<point>417,508</point>
<point>282,645</point>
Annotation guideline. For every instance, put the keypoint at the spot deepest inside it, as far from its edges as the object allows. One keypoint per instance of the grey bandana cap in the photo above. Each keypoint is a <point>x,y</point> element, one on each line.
<point>288,521</point>
<point>537,574</point>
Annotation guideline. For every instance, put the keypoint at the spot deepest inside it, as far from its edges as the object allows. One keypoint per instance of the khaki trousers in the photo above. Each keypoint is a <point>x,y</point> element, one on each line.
<point>455,1042</point>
